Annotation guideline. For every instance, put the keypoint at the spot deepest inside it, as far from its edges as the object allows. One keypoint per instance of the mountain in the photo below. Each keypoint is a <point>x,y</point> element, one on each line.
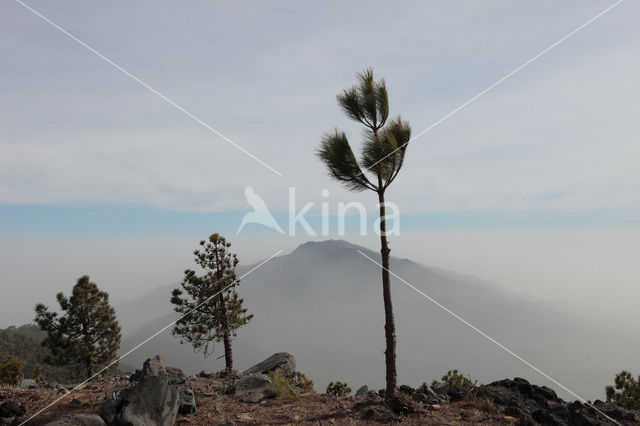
<point>323,303</point>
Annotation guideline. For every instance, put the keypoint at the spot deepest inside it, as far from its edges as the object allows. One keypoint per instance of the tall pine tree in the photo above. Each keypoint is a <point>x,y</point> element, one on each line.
<point>212,310</point>
<point>87,334</point>
<point>383,150</point>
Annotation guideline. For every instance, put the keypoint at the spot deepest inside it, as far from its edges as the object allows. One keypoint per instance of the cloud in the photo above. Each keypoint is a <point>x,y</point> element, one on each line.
<point>75,130</point>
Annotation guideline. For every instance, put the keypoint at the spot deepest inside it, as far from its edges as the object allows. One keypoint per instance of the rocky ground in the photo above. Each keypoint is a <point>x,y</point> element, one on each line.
<point>157,395</point>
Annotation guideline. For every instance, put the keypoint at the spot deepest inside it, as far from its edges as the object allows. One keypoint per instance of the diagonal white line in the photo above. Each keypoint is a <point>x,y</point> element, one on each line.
<point>149,338</point>
<point>482,333</point>
<point>464,105</point>
<point>145,85</point>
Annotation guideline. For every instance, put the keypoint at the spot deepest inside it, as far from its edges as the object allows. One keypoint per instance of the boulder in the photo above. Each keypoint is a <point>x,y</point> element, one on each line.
<point>28,383</point>
<point>407,390</point>
<point>187,404</point>
<point>362,391</point>
<point>151,401</point>
<point>533,404</point>
<point>282,360</point>
<point>176,376</point>
<point>254,388</point>
<point>427,390</point>
<point>12,409</point>
<point>441,388</point>
<point>108,411</point>
<point>78,420</point>
<point>419,397</point>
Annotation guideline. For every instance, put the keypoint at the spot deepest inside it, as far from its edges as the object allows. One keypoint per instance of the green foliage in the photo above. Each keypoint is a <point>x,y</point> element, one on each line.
<point>11,371</point>
<point>212,309</point>
<point>87,334</point>
<point>338,389</point>
<point>456,381</point>
<point>282,384</point>
<point>25,343</point>
<point>385,141</point>
<point>300,380</point>
<point>626,391</point>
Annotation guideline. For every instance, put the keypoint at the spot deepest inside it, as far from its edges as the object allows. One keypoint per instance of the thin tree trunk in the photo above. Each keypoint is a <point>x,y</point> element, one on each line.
<point>226,339</point>
<point>89,364</point>
<point>389,322</point>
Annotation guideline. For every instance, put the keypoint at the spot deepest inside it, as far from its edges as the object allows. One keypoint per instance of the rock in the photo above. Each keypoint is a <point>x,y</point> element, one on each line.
<point>252,397</point>
<point>282,360</point>
<point>441,388</point>
<point>78,420</point>
<point>176,376</point>
<point>108,411</point>
<point>187,404</point>
<point>617,412</point>
<point>407,390</point>
<point>419,397</point>
<point>136,376</point>
<point>151,401</point>
<point>426,389</point>
<point>225,423</point>
<point>12,409</point>
<point>533,405</point>
<point>28,383</point>
<point>205,375</point>
<point>254,388</point>
<point>425,398</point>
<point>362,391</point>
<point>75,401</point>
<point>9,421</point>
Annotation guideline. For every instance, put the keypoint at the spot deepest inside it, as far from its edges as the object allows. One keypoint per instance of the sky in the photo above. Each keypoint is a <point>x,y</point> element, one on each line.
<point>533,185</point>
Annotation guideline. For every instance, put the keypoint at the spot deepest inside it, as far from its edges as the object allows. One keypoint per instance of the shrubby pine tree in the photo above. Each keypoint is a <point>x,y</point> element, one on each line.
<point>87,334</point>
<point>212,310</point>
<point>338,389</point>
<point>37,373</point>
<point>383,153</point>
<point>626,391</point>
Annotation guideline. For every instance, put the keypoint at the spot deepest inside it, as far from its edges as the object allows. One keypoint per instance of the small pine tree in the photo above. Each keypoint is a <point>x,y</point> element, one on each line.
<point>338,389</point>
<point>87,334</point>
<point>212,309</point>
<point>37,373</point>
<point>300,380</point>
<point>456,381</point>
<point>626,391</point>
<point>11,371</point>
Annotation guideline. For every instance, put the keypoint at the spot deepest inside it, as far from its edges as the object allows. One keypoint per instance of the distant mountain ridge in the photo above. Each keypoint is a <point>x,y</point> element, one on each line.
<point>322,302</point>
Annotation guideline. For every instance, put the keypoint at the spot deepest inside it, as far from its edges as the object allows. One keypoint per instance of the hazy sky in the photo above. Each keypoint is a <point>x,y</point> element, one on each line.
<point>534,185</point>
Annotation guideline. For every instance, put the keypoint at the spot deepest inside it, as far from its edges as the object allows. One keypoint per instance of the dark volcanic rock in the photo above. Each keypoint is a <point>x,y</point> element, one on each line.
<point>151,401</point>
<point>187,403</point>
<point>533,405</point>
<point>407,390</point>
<point>12,409</point>
<point>362,391</point>
<point>282,360</point>
<point>176,376</point>
<point>254,388</point>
